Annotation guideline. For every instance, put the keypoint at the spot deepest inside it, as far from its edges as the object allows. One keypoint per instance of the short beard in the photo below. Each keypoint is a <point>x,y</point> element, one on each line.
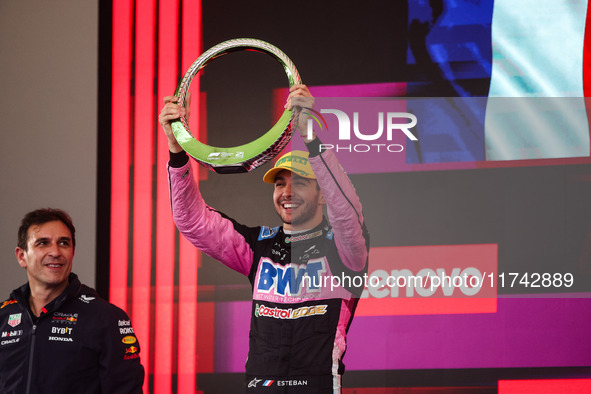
<point>306,215</point>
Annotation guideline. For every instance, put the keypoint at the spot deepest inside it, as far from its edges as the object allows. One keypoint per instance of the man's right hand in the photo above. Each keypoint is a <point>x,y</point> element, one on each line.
<point>171,112</point>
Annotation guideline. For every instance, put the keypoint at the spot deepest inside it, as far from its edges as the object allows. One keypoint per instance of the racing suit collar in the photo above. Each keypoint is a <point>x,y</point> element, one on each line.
<point>322,225</point>
<point>74,286</point>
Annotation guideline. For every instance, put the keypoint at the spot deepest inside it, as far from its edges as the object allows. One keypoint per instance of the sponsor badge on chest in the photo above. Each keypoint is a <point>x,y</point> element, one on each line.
<point>15,319</point>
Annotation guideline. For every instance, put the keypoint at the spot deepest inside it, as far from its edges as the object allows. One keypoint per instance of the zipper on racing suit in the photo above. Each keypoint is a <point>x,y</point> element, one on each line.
<point>31,353</point>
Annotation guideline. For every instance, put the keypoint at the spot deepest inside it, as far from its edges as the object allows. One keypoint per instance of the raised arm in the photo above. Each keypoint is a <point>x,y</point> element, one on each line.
<point>207,229</point>
<point>343,205</point>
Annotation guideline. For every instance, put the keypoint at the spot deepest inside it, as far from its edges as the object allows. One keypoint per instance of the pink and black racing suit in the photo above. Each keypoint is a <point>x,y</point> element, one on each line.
<point>305,286</point>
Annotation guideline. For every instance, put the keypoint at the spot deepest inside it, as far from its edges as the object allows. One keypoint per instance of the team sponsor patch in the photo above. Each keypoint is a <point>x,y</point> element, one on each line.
<point>128,340</point>
<point>290,313</point>
<point>290,279</point>
<point>125,327</point>
<point>268,383</point>
<point>65,318</point>
<point>131,350</point>
<point>60,339</point>
<point>254,382</point>
<point>15,333</point>
<point>267,232</point>
<point>8,303</point>
<point>61,334</point>
<point>9,341</point>
<point>126,330</point>
<point>86,298</point>
<point>62,330</point>
<point>296,238</point>
<point>15,319</point>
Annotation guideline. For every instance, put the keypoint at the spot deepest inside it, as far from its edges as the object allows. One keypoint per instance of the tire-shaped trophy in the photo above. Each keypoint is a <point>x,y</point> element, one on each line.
<point>242,158</point>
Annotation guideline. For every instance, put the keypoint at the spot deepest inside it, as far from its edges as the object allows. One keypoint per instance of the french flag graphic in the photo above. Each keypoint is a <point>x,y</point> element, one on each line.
<point>492,83</point>
<point>528,57</point>
<point>539,52</point>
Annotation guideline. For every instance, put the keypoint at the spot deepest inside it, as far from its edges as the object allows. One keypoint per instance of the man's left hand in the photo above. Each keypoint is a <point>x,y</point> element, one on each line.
<point>300,96</point>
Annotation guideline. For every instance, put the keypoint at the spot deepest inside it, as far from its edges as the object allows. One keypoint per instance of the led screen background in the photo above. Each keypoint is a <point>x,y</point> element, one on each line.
<point>519,213</point>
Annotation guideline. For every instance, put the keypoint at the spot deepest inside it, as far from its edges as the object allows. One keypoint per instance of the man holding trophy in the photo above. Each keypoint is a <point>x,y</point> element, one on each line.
<point>299,318</point>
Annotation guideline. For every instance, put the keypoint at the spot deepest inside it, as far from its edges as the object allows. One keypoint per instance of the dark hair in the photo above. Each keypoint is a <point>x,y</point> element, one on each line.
<point>42,216</point>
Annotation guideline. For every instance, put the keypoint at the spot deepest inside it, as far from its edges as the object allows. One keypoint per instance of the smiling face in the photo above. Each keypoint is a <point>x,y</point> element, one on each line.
<point>48,255</point>
<point>298,201</point>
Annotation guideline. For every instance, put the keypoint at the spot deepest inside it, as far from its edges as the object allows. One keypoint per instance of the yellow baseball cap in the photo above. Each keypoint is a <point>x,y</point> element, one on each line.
<point>295,161</point>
